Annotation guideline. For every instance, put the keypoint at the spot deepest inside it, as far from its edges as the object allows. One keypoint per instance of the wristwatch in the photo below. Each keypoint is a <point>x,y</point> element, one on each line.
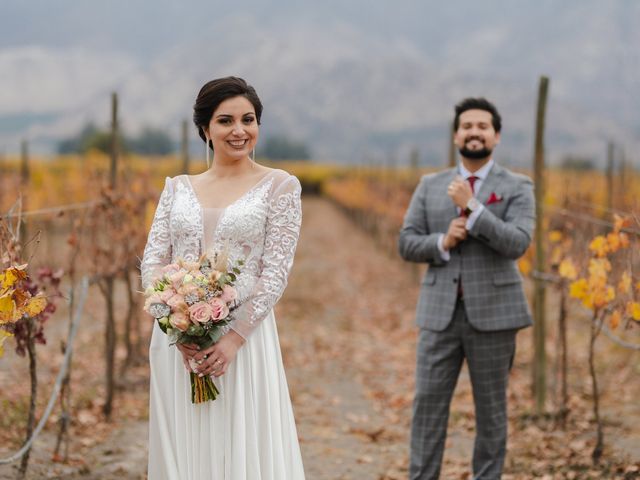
<point>472,205</point>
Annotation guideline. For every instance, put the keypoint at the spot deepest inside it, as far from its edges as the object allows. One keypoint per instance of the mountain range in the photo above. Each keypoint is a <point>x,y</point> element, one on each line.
<point>358,82</point>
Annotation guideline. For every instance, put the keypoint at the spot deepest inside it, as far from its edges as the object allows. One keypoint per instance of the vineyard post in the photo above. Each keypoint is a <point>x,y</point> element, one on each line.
<point>185,147</point>
<point>540,358</point>
<point>110,331</point>
<point>114,141</point>
<point>610,152</point>
<point>452,147</point>
<point>623,181</point>
<point>25,178</point>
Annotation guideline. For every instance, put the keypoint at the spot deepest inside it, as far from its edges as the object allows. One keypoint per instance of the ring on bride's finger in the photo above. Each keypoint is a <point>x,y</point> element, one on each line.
<point>199,362</point>
<point>205,356</point>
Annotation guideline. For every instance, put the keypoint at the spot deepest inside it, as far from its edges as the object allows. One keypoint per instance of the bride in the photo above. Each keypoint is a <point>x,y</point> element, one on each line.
<point>253,213</point>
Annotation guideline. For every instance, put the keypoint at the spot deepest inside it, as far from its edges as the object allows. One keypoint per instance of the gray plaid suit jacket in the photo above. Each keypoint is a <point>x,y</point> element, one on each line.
<point>485,262</point>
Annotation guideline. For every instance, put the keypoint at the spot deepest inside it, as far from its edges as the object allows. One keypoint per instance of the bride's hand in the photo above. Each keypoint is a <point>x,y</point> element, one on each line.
<point>215,359</point>
<point>188,350</point>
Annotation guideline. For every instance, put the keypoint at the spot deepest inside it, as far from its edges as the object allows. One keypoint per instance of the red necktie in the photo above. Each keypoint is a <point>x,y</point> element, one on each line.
<point>472,181</point>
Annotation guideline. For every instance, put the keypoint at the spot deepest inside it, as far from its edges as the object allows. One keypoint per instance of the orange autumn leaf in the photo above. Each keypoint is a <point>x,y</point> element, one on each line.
<point>624,240</point>
<point>525,266</point>
<point>567,269</point>
<point>620,222</point>
<point>614,320</point>
<point>599,297</point>
<point>599,246</point>
<point>614,243</point>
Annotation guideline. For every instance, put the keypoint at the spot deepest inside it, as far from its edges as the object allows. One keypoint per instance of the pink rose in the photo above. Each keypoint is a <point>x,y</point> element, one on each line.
<point>176,279</point>
<point>229,294</point>
<point>179,320</point>
<point>165,295</point>
<point>200,312</point>
<point>219,309</point>
<point>177,303</point>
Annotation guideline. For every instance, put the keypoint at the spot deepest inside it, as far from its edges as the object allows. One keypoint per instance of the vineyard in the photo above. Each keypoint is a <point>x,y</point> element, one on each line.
<point>73,231</point>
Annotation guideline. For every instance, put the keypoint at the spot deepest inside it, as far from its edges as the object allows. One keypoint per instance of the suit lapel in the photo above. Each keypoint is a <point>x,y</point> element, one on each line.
<point>491,184</point>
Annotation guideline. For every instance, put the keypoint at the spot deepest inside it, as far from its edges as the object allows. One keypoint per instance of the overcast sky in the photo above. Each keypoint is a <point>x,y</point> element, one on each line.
<point>61,58</point>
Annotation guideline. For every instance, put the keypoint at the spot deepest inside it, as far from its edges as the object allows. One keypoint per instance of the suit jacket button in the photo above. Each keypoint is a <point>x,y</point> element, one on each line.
<point>455,280</point>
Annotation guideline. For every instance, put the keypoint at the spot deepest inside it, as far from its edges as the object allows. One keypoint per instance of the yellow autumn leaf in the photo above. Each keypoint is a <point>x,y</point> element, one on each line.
<point>633,310</point>
<point>555,236</point>
<point>525,266</point>
<point>35,305</point>
<point>638,287</point>
<point>3,336</point>
<point>588,301</point>
<point>598,267</point>
<point>610,295</point>
<point>567,269</point>
<point>599,246</point>
<point>579,289</point>
<point>556,255</point>
<point>614,320</point>
<point>11,275</point>
<point>624,286</point>
<point>7,309</point>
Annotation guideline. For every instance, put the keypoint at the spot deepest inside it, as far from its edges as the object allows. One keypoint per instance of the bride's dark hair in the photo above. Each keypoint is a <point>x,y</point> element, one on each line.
<point>213,93</point>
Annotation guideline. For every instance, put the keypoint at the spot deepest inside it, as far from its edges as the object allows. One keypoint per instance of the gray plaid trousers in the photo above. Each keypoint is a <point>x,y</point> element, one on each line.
<point>439,358</point>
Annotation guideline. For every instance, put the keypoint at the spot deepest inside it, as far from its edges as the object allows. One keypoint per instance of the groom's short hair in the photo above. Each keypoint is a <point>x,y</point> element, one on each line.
<point>477,103</point>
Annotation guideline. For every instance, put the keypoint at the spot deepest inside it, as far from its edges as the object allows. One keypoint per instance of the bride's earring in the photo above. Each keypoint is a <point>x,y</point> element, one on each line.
<point>253,155</point>
<point>206,147</point>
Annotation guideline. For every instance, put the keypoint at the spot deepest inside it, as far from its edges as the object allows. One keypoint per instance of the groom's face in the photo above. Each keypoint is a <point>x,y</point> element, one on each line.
<point>475,137</point>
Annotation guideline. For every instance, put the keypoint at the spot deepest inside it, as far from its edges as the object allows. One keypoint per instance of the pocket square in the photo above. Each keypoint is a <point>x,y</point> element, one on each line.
<point>494,198</point>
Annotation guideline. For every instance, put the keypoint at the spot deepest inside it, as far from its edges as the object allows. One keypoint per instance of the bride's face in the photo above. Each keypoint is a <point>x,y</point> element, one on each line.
<point>233,129</point>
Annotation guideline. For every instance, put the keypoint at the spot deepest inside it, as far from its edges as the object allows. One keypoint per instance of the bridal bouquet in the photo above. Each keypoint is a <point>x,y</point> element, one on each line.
<point>192,303</point>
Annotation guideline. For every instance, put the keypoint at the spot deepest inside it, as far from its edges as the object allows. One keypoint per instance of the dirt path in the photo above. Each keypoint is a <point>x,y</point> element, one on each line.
<point>346,330</point>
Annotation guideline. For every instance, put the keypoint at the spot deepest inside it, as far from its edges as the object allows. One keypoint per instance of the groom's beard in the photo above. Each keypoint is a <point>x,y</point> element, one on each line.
<point>480,154</point>
<point>475,154</point>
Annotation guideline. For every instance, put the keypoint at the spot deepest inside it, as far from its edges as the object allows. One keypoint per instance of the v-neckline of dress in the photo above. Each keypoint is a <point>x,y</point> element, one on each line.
<point>247,192</point>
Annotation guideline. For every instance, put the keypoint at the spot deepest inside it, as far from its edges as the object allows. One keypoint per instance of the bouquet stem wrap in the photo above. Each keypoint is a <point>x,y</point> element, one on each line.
<point>202,388</point>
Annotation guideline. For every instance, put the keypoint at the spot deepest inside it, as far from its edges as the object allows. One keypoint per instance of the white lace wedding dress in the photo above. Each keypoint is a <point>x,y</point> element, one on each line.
<point>248,432</point>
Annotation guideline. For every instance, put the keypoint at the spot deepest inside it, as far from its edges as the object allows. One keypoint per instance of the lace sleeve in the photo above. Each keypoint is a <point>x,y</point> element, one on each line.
<point>282,231</point>
<point>157,251</point>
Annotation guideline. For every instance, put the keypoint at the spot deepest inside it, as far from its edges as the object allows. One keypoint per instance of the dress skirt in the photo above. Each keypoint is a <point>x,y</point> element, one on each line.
<point>247,433</point>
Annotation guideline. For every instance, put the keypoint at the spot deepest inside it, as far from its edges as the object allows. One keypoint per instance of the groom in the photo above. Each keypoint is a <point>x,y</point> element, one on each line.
<point>470,224</point>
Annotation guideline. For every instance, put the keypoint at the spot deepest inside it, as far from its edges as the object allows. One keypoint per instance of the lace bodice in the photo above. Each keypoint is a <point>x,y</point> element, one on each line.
<point>261,228</point>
